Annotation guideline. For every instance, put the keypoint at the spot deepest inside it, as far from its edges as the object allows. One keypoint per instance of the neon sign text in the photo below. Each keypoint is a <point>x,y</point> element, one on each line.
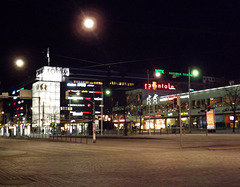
<point>157,86</point>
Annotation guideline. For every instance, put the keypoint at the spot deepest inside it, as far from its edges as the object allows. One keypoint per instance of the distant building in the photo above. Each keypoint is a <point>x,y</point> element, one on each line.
<point>67,97</point>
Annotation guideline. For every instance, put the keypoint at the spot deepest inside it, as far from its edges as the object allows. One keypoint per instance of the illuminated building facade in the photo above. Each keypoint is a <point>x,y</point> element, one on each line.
<point>46,97</point>
<point>65,99</point>
<point>80,102</point>
<point>161,111</point>
<point>70,100</point>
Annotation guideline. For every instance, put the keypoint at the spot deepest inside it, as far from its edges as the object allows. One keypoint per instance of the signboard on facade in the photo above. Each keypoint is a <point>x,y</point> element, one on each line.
<point>49,73</point>
<point>211,120</point>
<point>158,86</point>
<point>26,94</point>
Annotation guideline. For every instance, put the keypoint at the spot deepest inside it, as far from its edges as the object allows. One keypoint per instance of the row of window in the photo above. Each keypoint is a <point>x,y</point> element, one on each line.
<point>195,104</point>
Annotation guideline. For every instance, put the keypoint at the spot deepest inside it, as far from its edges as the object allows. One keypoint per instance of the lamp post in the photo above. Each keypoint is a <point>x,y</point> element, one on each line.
<point>93,122</point>
<point>149,104</point>
<point>157,74</point>
<point>180,118</point>
<point>102,110</point>
<point>189,99</point>
<point>195,73</point>
<point>89,24</point>
<point>105,92</point>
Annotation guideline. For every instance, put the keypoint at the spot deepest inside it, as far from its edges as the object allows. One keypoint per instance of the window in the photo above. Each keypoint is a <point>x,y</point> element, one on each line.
<point>156,108</point>
<point>193,104</point>
<point>216,102</point>
<point>184,105</point>
<point>151,109</point>
<point>202,103</point>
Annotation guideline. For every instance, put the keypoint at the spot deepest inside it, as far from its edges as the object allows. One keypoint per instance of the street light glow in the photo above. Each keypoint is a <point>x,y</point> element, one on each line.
<point>108,92</point>
<point>19,63</point>
<point>89,23</point>
<point>158,74</point>
<point>195,73</point>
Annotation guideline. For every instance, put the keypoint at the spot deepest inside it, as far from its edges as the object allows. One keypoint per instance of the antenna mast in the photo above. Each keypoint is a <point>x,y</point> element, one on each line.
<point>48,56</point>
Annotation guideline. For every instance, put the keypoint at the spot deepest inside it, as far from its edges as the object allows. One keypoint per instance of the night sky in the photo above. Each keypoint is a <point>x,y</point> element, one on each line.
<point>170,35</point>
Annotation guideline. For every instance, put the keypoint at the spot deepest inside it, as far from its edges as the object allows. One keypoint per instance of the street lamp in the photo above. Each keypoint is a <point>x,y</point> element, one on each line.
<point>89,23</point>
<point>157,74</point>
<point>108,92</point>
<point>195,73</point>
<point>19,63</point>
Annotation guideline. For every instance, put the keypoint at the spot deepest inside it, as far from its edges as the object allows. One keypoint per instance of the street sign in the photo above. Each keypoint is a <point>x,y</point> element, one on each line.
<point>27,94</point>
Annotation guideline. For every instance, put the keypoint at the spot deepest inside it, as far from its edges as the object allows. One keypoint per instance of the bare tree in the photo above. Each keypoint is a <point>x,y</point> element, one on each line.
<point>232,99</point>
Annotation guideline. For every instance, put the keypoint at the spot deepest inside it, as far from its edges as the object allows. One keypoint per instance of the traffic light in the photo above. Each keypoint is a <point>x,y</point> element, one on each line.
<point>208,107</point>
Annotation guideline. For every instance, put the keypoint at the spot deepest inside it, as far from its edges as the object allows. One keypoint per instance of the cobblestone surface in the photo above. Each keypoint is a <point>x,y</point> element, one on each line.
<point>157,161</point>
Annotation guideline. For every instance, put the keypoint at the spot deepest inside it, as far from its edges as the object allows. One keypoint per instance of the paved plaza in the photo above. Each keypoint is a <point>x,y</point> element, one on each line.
<point>212,160</point>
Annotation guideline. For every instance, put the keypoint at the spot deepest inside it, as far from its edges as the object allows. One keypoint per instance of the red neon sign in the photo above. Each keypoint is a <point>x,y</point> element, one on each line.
<point>158,86</point>
<point>172,98</point>
<point>98,92</point>
<point>86,112</point>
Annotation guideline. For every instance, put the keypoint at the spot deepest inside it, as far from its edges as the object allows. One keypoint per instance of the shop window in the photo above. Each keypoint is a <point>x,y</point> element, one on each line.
<point>184,105</point>
<point>151,109</point>
<point>197,104</point>
<point>202,103</point>
<point>169,107</point>
<point>216,102</point>
<point>175,107</point>
<point>156,108</point>
<point>161,108</point>
<point>144,109</point>
<point>193,104</point>
<point>227,100</point>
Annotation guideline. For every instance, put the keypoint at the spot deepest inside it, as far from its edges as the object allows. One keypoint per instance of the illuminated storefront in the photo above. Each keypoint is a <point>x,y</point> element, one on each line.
<point>215,98</point>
